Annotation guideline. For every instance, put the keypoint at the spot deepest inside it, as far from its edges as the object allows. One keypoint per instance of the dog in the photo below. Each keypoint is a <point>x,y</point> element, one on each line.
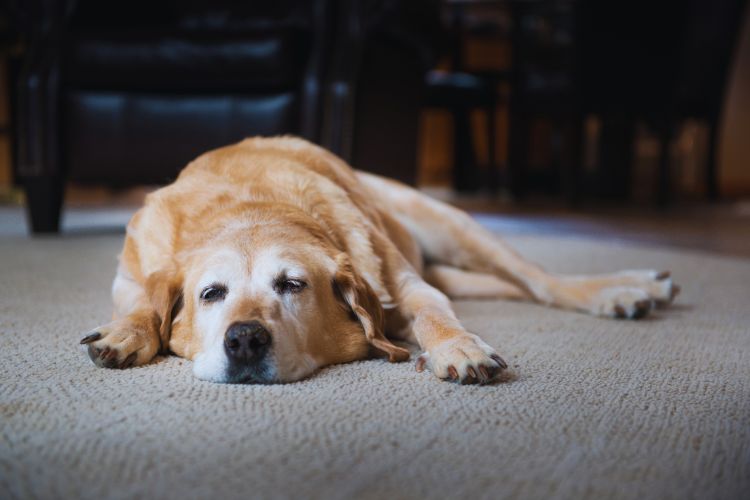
<point>271,258</point>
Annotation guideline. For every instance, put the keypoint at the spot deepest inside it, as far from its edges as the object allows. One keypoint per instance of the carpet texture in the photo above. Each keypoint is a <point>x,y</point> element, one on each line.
<point>595,408</point>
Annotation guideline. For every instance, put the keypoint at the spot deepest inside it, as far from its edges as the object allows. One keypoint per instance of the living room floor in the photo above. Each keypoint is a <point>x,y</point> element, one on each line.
<point>590,408</point>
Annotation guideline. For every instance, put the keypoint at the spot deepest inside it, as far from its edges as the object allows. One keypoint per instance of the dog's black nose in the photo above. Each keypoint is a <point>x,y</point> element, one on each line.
<point>246,341</point>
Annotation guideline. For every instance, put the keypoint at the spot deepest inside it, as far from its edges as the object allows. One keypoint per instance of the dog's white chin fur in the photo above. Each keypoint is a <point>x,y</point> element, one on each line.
<point>211,365</point>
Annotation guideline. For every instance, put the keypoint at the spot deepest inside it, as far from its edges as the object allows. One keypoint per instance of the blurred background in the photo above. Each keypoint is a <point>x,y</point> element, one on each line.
<point>624,118</point>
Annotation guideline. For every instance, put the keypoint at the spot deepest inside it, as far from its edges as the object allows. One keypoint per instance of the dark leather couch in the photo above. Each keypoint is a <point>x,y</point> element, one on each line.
<point>127,92</point>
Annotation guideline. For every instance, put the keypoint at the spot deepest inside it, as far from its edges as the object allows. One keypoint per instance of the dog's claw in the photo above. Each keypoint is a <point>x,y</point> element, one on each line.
<point>106,357</point>
<point>642,307</point>
<point>500,361</point>
<point>420,364</point>
<point>620,311</point>
<point>663,275</point>
<point>129,360</point>
<point>91,337</point>
<point>480,374</point>
<point>485,374</point>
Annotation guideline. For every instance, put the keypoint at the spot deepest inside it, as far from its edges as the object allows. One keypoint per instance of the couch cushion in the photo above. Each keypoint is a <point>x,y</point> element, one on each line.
<point>122,138</point>
<point>180,61</point>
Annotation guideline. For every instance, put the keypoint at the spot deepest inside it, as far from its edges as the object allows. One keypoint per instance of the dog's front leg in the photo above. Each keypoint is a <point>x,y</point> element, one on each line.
<point>142,321</point>
<point>129,341</point>
<point>450,352</point>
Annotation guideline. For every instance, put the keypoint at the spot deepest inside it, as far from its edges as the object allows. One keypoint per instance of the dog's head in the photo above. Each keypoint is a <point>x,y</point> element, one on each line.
<point>269,304</point>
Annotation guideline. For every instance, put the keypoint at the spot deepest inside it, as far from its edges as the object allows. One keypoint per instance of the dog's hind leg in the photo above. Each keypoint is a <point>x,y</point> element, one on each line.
<point>459,284</point>
<point>451,237</point>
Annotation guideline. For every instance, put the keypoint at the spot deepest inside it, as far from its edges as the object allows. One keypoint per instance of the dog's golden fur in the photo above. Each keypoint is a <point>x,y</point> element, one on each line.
<point>358,252</point>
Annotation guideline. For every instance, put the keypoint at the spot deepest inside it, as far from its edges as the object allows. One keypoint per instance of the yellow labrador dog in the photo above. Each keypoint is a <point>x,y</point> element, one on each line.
<point>271,258</point>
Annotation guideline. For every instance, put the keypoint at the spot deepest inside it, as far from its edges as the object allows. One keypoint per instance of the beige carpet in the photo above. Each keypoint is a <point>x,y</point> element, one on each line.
<point>597,409</point>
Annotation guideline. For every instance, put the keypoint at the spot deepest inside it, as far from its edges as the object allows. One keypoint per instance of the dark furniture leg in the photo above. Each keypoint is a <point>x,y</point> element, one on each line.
<point>492,168</point>
<point>712,183</point>
<point>518,159</point>
<point>615,156</point>
<point>465,171</point>
<point>44,197</point>
<point>571,171</point>
<point>664,182</point>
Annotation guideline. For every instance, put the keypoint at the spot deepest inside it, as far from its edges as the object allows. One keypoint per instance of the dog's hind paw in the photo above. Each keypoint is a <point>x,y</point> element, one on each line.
<point>635,298</point>
<point>623,303</point>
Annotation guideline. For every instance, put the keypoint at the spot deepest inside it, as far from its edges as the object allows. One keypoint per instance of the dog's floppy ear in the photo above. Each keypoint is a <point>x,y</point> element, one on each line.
<point>164,290</point>
<point>357,295</point>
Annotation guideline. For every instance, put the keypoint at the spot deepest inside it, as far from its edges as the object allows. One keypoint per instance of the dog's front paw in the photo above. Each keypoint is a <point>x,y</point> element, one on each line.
<point>465,359</point>
<point>120,344</point>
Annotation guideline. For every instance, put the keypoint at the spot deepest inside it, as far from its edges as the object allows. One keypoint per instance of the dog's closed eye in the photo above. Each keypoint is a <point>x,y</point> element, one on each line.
<point>213,293</point>
<point>284,285</point>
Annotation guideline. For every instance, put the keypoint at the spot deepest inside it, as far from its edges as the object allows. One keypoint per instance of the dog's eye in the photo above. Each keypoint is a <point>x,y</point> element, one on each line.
<point>213,293</point>
<point>288,285</point>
